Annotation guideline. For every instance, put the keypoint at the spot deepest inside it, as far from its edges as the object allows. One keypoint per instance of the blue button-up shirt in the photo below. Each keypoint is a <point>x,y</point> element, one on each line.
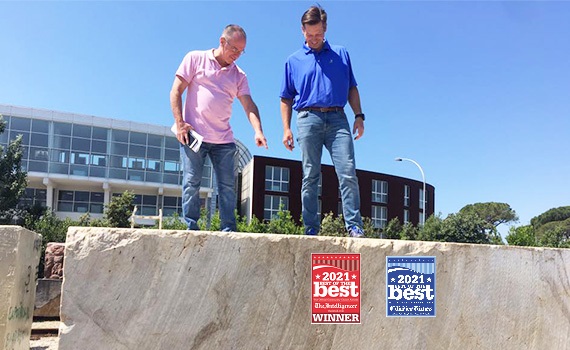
<point>318,79</point>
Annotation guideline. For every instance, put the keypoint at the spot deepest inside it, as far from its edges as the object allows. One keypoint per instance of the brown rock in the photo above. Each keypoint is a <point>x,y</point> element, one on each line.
<point>53,267</point>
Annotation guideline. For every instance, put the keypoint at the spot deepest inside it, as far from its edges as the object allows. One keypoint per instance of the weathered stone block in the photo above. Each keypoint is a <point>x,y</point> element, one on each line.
<point>48,298</point>
<point>19,258</point>
<point>53,262</point>
<point>145,289</point>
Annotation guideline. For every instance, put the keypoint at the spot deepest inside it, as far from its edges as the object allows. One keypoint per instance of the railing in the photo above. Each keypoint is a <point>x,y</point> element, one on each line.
<point>158,217</point>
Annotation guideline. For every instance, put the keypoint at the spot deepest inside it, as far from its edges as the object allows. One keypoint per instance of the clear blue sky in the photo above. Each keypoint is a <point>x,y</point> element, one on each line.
<point>478,93</point>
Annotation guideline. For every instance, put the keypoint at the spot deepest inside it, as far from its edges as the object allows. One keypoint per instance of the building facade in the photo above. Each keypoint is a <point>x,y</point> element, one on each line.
<point>268,183</point>
<point>76,163</point>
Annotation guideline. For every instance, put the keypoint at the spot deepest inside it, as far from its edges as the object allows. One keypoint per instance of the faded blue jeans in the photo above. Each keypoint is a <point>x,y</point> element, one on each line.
<point>331,130</point>
<point>222,157</point>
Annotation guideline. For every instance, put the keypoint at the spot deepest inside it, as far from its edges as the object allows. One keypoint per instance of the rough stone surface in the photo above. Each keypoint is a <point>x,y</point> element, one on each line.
<point>53,263</point>
<point>48,298</point>
<point>19,258</point>
<point>144,289</point>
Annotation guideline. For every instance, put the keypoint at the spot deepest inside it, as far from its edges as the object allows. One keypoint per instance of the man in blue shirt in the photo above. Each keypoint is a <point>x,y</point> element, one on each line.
<point>318,83</point>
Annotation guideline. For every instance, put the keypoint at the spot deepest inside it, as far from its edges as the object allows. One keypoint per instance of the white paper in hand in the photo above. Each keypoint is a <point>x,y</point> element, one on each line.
<point>195,139</point>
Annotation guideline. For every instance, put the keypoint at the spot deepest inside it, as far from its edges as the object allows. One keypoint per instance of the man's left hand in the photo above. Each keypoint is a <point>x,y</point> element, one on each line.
<point>358,128</point>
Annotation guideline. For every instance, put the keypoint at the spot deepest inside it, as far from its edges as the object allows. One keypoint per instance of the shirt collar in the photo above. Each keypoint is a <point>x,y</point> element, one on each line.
<point>218,65</point>
<point>308,50</point>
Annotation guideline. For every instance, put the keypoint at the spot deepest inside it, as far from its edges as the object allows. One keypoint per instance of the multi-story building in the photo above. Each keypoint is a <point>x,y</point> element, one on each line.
<point>268,183</point>
<point>76,163</point>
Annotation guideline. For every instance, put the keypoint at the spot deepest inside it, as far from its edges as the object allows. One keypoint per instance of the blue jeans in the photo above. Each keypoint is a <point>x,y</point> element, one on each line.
<point>329,129</point>
<point>222,157</point>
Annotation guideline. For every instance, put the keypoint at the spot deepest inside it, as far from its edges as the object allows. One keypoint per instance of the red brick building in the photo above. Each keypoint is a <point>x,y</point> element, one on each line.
<point>267,182</point>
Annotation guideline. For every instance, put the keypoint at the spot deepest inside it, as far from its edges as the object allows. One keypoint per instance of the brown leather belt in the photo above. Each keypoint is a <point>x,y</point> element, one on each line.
<point>322,109</point>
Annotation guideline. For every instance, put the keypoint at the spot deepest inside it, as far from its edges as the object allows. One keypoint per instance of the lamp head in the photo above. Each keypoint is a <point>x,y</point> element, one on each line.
<point>398,159</point>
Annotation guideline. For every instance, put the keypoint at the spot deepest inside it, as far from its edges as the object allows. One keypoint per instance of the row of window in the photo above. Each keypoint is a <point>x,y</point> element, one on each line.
<point>273,203</point>
<point>277,180</point>
<point>83,150</point>
<point>79,131</point>
<point>93,202</point>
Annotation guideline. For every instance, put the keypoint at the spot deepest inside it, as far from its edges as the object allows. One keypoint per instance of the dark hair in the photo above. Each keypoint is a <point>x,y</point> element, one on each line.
<point>230,29</point>
<point>314,15</point>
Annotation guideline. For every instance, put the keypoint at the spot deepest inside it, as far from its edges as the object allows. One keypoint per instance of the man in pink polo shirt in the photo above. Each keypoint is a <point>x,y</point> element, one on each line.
<point>212,81</point>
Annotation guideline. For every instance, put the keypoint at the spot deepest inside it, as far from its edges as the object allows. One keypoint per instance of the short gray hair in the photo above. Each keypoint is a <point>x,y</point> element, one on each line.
<point>230,29</point>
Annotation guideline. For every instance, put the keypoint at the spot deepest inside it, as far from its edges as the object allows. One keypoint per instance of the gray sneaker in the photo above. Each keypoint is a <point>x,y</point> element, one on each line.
<point>355,231</point>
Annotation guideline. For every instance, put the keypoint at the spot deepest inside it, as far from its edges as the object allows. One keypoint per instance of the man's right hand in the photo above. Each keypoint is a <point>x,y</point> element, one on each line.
<point>288,141</point>
<point>182,130</point>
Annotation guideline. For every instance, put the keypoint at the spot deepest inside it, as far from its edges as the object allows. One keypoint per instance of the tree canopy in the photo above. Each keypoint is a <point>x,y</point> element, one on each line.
<point>554,214</point>
<point>493,213</point>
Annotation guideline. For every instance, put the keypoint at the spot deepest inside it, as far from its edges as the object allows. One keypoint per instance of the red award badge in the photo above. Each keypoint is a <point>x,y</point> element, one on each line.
<point>335,287</point>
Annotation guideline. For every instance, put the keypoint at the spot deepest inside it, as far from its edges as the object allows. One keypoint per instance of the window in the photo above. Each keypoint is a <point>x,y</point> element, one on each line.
<point>153,152</point>
<point>171,205</point>
<point>20,124</point>
<point>138,151</point>
<point>379,216</point>
<point>154,140</point>
<point>83,131</point>
<point>62,142</point>
<point>320,192</point>
<point>406,216</point>
<point>272,205</point>
<point>98,146</point>
<point>421,218</point>
<point>119,148</point>
<point>276,179</point>
<point>79,158</point>
<point>138,138</point>
<point>171,167</point>
<point>207,174</point>
<point>40,126</point>
<point>100,133</point>
<point>379,191</point>
<point>406,195</point>
<point>80,201</point>
<point>78,144</point>
<point>33,196</point>
<point>62,129</point>
<point>146,204</point>
<point>39,140</point>
<point>119,135</point>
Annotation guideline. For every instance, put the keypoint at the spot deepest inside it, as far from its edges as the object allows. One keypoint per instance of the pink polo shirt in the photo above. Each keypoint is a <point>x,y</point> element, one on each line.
<point>210,94</point>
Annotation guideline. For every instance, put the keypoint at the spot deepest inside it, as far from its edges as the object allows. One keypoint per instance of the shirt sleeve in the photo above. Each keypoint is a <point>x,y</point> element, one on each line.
<point>243,86</point>
<point>352,81</point>
<point>187,68</point>
<point>287,85</point>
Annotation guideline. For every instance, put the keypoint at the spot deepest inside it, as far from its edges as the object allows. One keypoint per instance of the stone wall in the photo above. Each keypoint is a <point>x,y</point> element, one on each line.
<point>145,289</point>
<point>19,258</point>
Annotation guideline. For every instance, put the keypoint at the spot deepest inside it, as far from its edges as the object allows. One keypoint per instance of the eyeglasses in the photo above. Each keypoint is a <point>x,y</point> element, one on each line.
<point>234,49</point>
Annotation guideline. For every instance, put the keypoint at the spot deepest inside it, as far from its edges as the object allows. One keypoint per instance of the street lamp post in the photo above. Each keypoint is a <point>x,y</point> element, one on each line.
<point>424,187</point>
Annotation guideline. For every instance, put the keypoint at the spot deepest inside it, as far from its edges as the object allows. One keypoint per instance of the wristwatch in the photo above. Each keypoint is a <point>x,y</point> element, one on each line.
<point>359,115</point>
